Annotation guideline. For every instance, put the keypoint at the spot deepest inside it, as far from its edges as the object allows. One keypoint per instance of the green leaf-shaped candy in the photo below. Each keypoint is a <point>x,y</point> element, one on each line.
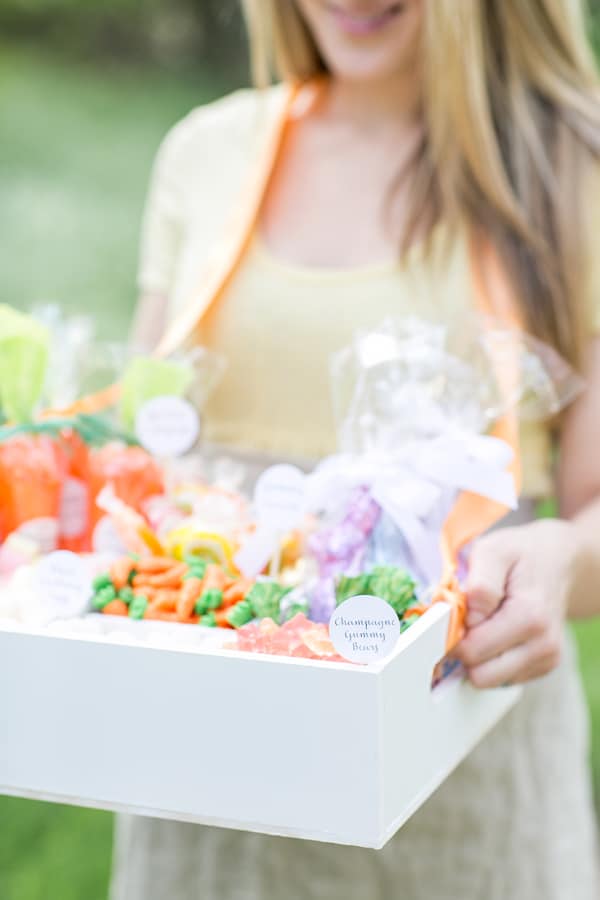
<point>23,363</point>
<point>146,378</point>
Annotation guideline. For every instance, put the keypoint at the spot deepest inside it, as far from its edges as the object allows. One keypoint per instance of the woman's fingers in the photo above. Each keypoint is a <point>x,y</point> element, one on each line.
<point>519,664</point>
<point>507,628</point>
<point>491,561</point>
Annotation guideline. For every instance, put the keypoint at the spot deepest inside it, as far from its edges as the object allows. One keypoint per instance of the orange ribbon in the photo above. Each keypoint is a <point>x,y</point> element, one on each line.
<point>471,515</point>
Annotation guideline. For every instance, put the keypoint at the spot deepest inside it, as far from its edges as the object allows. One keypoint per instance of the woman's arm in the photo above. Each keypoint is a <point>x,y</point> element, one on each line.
<point>579,488</point>
<point>149,321</point>
<point>523,582</point>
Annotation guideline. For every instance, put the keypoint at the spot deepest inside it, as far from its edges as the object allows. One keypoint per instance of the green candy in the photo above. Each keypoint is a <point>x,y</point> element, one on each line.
<point>104,596</point>
<point>138,607</point>
<point>240,614</point>
<point>394,585</point>
<point>200,607</point>
<point>197,567</point>
<point>293,610</point>
<point>208,620</point>
<point>102,581</point>
<point>265,599</point>
<point>352,586</point>
<point>211,599</point>
<point>126,595</point>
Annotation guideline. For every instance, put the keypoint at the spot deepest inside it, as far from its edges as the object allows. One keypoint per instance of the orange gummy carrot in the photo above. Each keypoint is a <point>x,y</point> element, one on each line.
<point>190,592</point>
<point>236,591</point>
<point>170,578</point>
<point>121,570</point>
<point>154,593</point>
<point>221,618</point>
<point>164,603</point>
<point>153,565</point>
<point>116,608</point>
<point>214,578</point>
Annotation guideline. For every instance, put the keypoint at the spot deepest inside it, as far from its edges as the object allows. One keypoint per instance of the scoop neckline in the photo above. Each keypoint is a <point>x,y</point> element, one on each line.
<point>337,273</point>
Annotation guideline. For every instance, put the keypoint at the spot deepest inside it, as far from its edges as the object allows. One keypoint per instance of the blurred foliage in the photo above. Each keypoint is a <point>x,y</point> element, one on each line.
<point>169,31</point>
<point>594,7</point>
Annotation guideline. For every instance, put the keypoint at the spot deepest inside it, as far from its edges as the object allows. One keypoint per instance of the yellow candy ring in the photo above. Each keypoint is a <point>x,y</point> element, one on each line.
<point>188,540</point>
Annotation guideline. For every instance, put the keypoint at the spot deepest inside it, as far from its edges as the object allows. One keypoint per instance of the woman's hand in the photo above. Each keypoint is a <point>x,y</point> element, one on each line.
<point>518,589</point>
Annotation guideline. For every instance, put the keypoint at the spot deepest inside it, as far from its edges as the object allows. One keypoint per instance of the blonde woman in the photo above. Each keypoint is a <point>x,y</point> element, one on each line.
<point>421,126</point>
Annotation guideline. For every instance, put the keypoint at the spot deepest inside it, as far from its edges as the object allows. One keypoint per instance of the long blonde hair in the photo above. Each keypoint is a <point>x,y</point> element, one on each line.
<point>511,113</point>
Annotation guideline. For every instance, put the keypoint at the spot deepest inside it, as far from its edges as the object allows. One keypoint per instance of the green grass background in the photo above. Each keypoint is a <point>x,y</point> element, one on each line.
<point>77,146</point>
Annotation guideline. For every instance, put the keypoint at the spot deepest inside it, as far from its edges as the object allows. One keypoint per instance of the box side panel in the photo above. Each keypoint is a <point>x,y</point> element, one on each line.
<point>427,733</point>
<point>259,743</point>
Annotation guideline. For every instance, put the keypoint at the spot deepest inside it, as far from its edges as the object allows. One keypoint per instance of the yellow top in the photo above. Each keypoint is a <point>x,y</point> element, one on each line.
<point>278,324</point>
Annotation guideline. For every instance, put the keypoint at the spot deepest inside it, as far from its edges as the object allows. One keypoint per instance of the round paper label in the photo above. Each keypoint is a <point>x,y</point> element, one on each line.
<point>167,426</point>
<point>364,629</point>
<point>280,497</point>
<point>63,581</point>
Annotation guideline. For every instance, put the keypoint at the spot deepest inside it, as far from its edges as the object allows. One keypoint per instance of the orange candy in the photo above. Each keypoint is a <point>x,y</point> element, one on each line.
<point>116,608</point>
<point>134,475</point>
<point>31,476</point>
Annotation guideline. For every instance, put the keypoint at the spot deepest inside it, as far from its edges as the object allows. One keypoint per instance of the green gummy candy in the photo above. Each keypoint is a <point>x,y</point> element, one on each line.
<point>208,620</point>
<point>214,598</point>
<point>201,606</point>
<point>211,599</point>
<point>197,567</point>
<point>292,611</point>
<point>126,595</point>
<point>104,596</point>
<point>240,614</point>
<point>352,586</point>
<point>394,585</point>
<point>265,598</point>
<point>102,581</point>
<point>138,607</point>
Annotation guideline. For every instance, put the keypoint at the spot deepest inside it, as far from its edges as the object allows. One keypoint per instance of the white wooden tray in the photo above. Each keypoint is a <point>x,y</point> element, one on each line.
<point>330,752</point>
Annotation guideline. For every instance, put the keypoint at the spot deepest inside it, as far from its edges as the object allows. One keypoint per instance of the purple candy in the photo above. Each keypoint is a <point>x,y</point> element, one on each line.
<point>322,600</point>
<point>341,547</point>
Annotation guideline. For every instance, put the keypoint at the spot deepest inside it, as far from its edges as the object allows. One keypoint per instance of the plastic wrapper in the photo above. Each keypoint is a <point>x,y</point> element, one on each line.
<point>415,428</point>
<point>32,470</point>
<point>49,363</point>
<point>24,347</point>
<point>402,383</point>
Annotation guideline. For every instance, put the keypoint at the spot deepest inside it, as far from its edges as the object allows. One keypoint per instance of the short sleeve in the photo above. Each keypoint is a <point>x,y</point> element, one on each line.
<point>162,223</point>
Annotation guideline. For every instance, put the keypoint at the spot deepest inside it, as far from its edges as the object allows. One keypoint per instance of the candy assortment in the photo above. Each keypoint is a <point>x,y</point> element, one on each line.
<point>266,572</point>
<point>195,591</point>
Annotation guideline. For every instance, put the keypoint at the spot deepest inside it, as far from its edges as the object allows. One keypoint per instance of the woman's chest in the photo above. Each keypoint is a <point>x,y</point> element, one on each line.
<point>278,309</point>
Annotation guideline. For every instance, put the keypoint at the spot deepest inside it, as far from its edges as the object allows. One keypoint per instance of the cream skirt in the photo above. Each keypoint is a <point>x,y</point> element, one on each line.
<point>514,822</point>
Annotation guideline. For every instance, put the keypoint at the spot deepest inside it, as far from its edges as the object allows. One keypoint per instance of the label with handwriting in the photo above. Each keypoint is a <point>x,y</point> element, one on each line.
<point>280,497</point>
<point>364,629</point>
<point>167,427</point>
<point>63,582</point>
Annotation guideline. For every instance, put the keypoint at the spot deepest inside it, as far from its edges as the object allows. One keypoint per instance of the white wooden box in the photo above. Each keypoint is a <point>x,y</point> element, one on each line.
<point>330,752</point>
